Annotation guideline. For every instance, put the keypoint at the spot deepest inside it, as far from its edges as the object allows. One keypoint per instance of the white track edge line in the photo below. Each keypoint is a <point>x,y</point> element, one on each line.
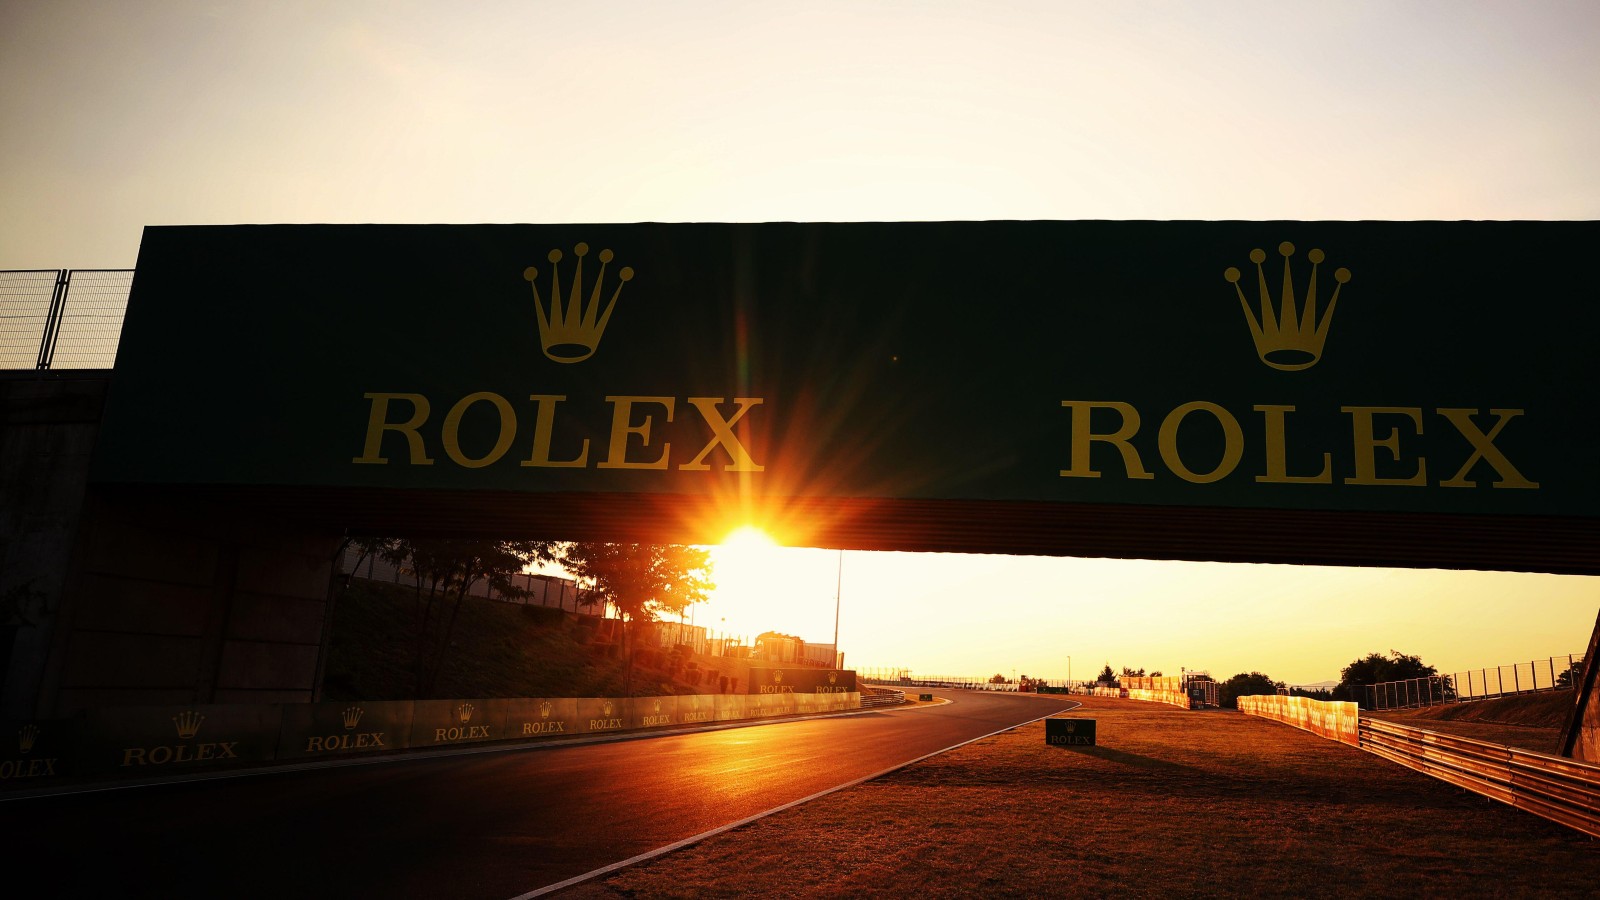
<point>678,845</point>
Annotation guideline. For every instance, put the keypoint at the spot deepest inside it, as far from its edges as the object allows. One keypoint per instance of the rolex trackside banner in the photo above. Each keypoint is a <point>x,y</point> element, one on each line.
<point>1385,366</point>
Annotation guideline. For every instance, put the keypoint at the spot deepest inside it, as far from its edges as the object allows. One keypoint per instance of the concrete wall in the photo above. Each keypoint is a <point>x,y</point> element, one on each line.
<point>179,601</point>
<point>139,597</point>
<point>48,425</point>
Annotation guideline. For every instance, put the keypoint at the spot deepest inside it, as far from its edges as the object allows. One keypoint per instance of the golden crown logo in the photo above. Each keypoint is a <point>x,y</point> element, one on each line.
<point>352,717</point>
<point>658,705</point>
<point>1289,339</point>
<point>465,712</point>
<point>607,708</point>
<point>26,737</point>
<point>544,709</point>
<point>777,675</point>
<point>833,677</point>
<point>571,332</point>
<point>188,723</point>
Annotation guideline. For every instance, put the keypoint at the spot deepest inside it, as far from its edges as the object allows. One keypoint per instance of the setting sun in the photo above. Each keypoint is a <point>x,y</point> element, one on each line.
<point>764,586</point>
<point>746,538</point>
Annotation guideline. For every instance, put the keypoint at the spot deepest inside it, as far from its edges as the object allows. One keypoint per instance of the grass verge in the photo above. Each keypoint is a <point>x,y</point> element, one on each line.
<point>1171,802</point>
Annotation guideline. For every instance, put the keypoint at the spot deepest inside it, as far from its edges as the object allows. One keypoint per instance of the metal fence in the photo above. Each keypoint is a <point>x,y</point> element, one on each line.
<point>62,318</point>
<point>1552,674</point>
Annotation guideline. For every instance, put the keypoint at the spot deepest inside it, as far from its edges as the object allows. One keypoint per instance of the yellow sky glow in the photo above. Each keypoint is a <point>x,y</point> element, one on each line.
<point>127,114</point>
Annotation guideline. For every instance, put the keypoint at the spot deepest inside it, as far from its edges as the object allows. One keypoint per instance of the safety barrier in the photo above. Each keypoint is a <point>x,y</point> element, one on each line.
<point>1333,719</point>
<point>874,697</point>
<point>1561,790</point>
<point>1171,698</point>
<point>140,741</point>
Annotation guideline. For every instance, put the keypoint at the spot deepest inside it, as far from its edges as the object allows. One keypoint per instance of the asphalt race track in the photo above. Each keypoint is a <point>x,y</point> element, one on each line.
<point>484,825</point>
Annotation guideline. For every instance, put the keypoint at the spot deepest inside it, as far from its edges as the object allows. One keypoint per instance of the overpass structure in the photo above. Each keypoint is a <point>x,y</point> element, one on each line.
<point>1347,393</point>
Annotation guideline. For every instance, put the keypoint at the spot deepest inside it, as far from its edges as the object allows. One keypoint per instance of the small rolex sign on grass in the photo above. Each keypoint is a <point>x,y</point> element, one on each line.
<point>1069,732</point>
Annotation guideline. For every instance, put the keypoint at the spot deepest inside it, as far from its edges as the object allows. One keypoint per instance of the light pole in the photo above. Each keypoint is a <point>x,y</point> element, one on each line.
<point>838,590</point>
<point>1069,671</point>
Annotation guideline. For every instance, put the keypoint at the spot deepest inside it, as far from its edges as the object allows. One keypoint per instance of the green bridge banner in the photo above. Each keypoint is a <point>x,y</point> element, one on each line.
<point>1431,368</point>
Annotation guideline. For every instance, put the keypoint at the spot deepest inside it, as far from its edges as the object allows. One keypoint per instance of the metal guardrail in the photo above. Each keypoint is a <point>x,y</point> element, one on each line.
<point>62,318</point>
<point>1561,790</point>
<point>871,697</point>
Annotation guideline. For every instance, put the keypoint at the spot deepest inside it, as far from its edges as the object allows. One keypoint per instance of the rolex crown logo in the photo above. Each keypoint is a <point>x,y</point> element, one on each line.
<point>570,330</point>
<point>544,709</point>
<point>465,712</point>
<point>777,676</point>
<point>658,705</point>
<point>352,717</point>
<point>1289,338</point>
<point>188,723</point>
<point>833,677</point>
<point>26,737</point>
<point>607,708</point>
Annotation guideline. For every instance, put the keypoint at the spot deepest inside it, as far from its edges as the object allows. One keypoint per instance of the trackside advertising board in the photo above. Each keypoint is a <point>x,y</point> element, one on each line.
<point>1387,367</point>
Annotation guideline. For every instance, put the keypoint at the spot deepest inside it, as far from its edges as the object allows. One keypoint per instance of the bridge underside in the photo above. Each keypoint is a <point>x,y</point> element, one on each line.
<point>1406,540</point>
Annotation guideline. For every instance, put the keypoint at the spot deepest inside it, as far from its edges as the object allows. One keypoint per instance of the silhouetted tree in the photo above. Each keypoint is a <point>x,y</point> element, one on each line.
<point>1375,668</point>
<point>643,581</point>
<point>449,568</point>
<point>1570,677</point>
<point>1246,684</point>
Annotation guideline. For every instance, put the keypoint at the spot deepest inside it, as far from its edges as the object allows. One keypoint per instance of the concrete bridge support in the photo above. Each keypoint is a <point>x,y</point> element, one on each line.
<point>129,596</point>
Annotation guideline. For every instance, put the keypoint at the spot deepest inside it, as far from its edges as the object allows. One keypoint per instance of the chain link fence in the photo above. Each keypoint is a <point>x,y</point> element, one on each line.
<point>1554,673</point>
<point>62,318</point>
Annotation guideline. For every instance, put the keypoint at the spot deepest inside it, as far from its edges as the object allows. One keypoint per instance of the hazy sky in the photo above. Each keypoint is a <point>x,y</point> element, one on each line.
<point>121,114</point>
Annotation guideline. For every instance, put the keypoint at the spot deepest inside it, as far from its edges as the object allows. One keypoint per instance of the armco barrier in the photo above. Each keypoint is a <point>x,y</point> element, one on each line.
<point>1561,790</point>
<point>139,741</point>
<point>1333,719</point>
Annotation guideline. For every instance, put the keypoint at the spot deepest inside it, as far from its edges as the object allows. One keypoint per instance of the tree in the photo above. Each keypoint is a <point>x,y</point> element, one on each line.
<point>1571,676</point>
<point>1375,668</point>
<point>1133,673</point>
<point>1108,677</point>
<point>997,678</point>
<point>451,567</point>
<point>1246,684</point>
<point>1312,693</point>
<point>643,581</point>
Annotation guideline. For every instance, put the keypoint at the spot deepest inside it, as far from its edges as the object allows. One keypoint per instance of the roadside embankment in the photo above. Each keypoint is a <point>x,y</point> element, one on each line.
<point>1531,721</point>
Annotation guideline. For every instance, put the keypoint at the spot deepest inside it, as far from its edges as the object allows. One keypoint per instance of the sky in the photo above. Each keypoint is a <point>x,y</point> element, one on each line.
<point>119,115</point>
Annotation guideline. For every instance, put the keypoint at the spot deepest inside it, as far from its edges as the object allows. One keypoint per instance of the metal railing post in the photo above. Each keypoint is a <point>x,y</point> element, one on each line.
<point>52,320</point>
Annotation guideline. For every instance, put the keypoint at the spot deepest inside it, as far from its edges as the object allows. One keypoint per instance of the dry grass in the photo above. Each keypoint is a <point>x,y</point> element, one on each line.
<point>1170,803</point>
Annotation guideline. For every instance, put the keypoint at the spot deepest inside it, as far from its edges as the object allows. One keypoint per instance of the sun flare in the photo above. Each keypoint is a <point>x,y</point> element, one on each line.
<point>747,537</point>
